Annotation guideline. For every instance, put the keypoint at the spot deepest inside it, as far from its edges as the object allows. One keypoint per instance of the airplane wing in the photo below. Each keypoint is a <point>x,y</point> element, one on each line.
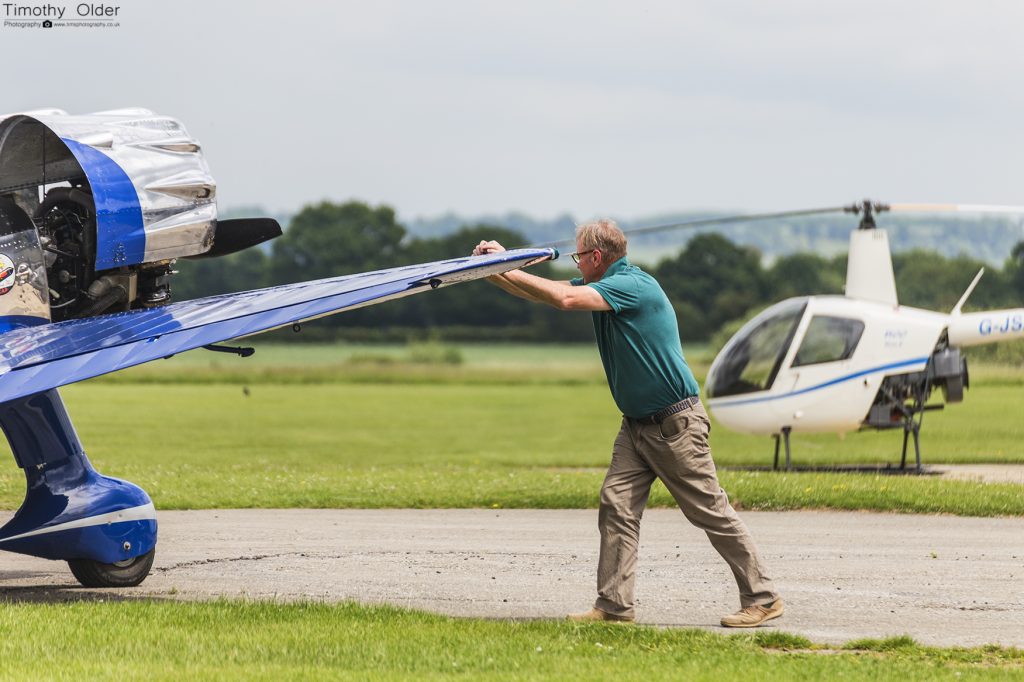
<point>35,359</point>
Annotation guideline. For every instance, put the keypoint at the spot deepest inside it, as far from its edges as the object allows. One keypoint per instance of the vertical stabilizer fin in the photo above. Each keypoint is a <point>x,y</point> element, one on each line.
<point>970,288</point>
<point>869,274</point>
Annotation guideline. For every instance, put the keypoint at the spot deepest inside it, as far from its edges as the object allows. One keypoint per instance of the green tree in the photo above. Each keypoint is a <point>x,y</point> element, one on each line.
<point>1014,272</point>
<point>714,277</point>
<point>804,274</point>
<point>328,239</point>
<point>249,269</point>
<point>925,279</point>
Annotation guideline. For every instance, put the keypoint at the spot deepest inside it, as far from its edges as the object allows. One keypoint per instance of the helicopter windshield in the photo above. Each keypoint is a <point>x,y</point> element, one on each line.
<point>751,359</point>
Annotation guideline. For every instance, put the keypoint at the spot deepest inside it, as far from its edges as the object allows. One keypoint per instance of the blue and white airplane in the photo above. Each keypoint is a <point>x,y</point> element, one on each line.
<point>94,211</point>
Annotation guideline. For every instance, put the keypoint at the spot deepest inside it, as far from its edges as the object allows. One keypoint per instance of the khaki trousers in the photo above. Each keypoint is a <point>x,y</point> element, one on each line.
<point>677,452</point>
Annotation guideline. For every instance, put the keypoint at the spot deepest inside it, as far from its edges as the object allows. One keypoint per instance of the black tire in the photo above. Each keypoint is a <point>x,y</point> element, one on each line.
<point>123,574</point>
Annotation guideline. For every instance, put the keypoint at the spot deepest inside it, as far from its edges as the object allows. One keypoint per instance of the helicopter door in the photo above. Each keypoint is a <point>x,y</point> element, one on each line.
<point>822,393</point>
<point>24,295</point>
<point>822,351</point>
<point>828,339</point>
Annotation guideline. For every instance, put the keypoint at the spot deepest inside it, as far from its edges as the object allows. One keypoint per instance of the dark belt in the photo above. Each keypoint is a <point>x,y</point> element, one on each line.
<point>674,408</point>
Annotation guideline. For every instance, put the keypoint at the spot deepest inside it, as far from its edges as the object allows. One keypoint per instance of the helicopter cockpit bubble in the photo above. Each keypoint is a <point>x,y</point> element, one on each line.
<point>751,360</point>
<point>24,295</point>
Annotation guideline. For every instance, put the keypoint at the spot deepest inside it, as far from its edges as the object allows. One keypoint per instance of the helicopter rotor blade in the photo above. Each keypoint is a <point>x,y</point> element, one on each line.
<point>865,207</point>
<point>704,222</point>
<point>954,208</point>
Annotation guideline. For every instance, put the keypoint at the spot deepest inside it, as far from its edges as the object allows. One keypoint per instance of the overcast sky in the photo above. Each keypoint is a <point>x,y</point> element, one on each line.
<point>624,108</point>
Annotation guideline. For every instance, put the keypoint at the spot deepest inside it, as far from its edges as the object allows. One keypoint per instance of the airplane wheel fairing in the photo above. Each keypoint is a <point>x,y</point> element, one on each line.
<point>127,573</point>
<point>71,512</point>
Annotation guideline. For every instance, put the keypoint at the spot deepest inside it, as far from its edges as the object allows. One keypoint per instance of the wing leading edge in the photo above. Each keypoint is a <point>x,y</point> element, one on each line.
<point>35,359</point>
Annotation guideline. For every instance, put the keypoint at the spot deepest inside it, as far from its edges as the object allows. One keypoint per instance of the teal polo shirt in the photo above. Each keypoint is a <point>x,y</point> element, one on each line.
<point>639,342</point>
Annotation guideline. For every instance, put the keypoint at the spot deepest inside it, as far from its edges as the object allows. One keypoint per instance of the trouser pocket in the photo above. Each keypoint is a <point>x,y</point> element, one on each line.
<point>673,425</point>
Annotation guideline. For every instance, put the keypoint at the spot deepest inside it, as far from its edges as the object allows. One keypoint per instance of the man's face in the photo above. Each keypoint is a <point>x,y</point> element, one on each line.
<point>589,265</point>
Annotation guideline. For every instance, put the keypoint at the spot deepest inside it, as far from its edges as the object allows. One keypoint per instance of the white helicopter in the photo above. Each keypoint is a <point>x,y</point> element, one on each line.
<point>858,361</point>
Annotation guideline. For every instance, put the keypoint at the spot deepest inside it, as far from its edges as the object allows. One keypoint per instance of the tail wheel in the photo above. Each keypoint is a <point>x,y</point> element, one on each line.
<point>127,573</point>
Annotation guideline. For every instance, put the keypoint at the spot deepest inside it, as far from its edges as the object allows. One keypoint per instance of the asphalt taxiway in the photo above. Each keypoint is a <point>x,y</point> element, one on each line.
<point>943,580</point>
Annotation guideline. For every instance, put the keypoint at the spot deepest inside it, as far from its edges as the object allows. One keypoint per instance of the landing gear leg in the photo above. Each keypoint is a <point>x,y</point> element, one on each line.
<point>909,428</point>
<point>785,436</point>
<point>904,404</point>
<point>103,527</point>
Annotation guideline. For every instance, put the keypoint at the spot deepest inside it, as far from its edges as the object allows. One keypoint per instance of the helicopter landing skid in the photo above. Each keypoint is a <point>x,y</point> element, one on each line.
<point>907,417</point>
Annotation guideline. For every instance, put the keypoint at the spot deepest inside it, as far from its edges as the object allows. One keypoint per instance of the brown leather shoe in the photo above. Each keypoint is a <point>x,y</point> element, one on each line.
<point>597,616</point>
<point>755,615</point>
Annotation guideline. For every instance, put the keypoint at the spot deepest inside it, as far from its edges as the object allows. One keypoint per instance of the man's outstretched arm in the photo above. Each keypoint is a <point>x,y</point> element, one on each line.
<point>505,284</point>
<point>561,295</point>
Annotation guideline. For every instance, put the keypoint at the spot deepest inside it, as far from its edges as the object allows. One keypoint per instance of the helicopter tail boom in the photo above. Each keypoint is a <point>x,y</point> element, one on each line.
<point>991,326</point>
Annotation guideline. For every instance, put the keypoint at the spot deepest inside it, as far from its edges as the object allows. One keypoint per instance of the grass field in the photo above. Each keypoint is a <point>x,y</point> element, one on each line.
<point>511,426</point>
<point>532,426</point>
<point>243,640</point>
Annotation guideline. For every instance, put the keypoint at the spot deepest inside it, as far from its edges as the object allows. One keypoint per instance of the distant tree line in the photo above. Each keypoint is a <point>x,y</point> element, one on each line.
<point>711,281</point>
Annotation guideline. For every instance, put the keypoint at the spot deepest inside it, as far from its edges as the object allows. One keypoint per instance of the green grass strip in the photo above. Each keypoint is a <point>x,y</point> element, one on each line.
<point>773,491</point>
<point>272,486</point>
<point>229,640</point>
<point>450,446</point>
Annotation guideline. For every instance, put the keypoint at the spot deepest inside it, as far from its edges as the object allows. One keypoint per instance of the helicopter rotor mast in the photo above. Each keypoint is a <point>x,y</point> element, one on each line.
<point>867,210</point>
<point>869,272</point>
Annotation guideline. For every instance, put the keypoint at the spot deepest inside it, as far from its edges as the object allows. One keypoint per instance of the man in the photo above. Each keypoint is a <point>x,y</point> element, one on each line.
<point>664,432</point>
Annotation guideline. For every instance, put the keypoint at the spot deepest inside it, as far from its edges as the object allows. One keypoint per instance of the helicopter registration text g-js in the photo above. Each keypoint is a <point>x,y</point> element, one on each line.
<point>1011,324</point>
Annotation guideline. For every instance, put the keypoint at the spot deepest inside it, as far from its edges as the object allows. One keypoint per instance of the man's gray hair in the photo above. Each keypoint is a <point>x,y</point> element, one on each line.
<point>603,235</point>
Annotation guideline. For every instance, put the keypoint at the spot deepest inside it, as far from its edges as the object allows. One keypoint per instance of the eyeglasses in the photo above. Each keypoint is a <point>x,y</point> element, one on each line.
<point>576,256</point>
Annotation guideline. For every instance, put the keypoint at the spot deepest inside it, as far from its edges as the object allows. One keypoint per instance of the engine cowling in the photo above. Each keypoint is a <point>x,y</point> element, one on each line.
<point>113,198</point>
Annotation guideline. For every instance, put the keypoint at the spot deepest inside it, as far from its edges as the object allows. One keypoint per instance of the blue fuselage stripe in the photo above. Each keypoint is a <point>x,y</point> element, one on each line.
<point>833,382</point>
<point>9,322</point>
<point>120,231</point>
